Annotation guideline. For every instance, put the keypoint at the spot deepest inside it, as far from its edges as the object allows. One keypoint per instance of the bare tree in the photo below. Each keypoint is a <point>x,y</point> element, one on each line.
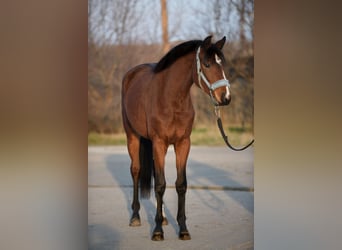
<point>165,29</point>
<point>124,33</point>
<point>113,48</point>
<point>240,7</point>
<point>245,11</point>
<point>234,19</point>
<point>112,21</point>
<point>109,23</point>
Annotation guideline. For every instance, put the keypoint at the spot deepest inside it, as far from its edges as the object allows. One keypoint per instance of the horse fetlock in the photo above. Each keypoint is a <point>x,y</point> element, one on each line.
<point>185,235</point>
<point>158,236</point>
<point>135,221</point>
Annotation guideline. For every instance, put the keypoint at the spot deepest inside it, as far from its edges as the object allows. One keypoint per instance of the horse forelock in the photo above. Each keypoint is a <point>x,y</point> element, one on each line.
<point>212,51</point>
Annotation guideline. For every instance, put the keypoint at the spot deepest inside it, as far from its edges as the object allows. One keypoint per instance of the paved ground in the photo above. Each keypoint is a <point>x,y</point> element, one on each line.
<point>219,201</point>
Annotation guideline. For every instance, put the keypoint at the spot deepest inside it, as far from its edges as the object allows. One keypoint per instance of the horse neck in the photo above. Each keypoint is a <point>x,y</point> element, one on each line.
<point>180,76</point>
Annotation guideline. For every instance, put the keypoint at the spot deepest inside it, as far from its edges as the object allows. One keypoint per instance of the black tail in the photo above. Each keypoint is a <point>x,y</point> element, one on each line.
<point>146,167</point>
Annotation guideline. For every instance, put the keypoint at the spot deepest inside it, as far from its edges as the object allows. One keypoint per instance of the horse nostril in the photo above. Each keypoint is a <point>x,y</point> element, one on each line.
<point>224,99</point>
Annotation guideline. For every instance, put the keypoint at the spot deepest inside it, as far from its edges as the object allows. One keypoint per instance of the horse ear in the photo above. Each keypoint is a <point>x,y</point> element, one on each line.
<point>219,44</point>
<point>206,42</point>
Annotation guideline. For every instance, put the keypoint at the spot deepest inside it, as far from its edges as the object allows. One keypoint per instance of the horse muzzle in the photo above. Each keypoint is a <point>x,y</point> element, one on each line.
<point>225,99</point>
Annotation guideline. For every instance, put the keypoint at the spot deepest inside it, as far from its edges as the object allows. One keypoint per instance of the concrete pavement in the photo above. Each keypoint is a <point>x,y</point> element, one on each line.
<point>219,201</point>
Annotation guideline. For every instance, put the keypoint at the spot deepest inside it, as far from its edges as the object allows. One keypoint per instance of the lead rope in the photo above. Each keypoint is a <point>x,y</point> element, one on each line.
<point>224,136</point>
<point>217,109</point>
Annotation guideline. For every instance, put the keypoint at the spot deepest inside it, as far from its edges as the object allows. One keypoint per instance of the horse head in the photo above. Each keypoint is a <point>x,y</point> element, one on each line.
<point>210,74</point>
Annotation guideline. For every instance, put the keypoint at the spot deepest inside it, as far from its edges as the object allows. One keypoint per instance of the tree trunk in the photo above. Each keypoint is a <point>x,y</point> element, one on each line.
<point>166,44</point>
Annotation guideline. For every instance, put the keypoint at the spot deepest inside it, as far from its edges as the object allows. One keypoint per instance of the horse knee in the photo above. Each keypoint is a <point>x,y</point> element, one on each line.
<point>181,189</point>
<point>160,188</point>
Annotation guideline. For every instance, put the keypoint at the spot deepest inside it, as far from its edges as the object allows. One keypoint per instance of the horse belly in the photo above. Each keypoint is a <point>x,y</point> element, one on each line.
<point>134,106</point>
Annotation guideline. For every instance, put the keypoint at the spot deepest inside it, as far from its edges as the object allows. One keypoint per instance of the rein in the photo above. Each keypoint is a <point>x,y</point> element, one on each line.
<point>212,87</point>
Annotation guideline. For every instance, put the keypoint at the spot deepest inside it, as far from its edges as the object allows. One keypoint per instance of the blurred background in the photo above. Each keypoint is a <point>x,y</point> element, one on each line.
<point>44,121</point>
<point>125,33</point>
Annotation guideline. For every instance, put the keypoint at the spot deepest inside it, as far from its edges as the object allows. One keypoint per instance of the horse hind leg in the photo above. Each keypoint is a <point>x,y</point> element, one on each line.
<point>159,152</point>
<point>133,150</point>
<point>135,219</point>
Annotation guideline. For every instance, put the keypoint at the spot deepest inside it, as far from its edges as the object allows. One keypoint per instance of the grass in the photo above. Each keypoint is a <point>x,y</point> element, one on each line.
<point>209,136</point>
<point>106,139</point>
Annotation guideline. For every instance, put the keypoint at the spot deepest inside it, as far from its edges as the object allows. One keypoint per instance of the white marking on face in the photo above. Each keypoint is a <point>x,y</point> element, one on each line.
<point>227,92</point>
<point>218,59</point>
<point>224,76</point>
<point>219,62</point>
<point>227,88</point>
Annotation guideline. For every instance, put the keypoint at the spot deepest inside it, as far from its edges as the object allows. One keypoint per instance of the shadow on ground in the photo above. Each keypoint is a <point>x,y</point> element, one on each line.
<point>197,175</point>
<point>100,236</point>
<point>114,164</point>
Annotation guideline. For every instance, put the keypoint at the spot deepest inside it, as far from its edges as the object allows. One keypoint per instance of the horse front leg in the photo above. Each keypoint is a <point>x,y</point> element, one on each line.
<point>182,149</point>
<point>159,152</point>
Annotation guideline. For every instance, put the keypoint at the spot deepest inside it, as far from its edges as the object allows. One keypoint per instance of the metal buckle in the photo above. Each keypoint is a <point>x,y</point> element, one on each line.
<point>217,111</point>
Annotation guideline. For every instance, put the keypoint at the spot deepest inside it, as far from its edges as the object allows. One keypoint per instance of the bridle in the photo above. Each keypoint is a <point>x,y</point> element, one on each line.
<point>211,88</point>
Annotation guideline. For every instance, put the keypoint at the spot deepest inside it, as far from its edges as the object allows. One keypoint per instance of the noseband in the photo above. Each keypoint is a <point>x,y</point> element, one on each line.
<point>211,87</point>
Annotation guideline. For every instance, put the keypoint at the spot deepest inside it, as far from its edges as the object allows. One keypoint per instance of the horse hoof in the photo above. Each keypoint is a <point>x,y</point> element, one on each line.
<point>184,236</point>
<point>158,236</point>
<point>135,222</point>
<point>165,221</point>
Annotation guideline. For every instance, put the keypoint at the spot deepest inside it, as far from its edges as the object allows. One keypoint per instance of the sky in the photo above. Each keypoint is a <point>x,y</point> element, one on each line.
<point>188,19</point>
<point>194,17</point>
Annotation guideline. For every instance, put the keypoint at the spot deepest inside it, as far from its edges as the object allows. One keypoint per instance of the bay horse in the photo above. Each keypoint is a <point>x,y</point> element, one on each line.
<point>157,111</point>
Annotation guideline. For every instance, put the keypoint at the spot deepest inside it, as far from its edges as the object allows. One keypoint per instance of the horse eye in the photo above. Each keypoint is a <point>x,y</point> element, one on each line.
<point>207,65</point>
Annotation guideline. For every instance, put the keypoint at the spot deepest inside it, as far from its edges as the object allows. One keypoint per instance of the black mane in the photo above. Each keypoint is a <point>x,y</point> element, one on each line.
<point>184,49</point>
<point>175,53</point>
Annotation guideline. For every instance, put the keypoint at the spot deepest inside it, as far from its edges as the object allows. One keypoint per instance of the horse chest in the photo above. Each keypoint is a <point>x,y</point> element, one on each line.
<point>175,125</point>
